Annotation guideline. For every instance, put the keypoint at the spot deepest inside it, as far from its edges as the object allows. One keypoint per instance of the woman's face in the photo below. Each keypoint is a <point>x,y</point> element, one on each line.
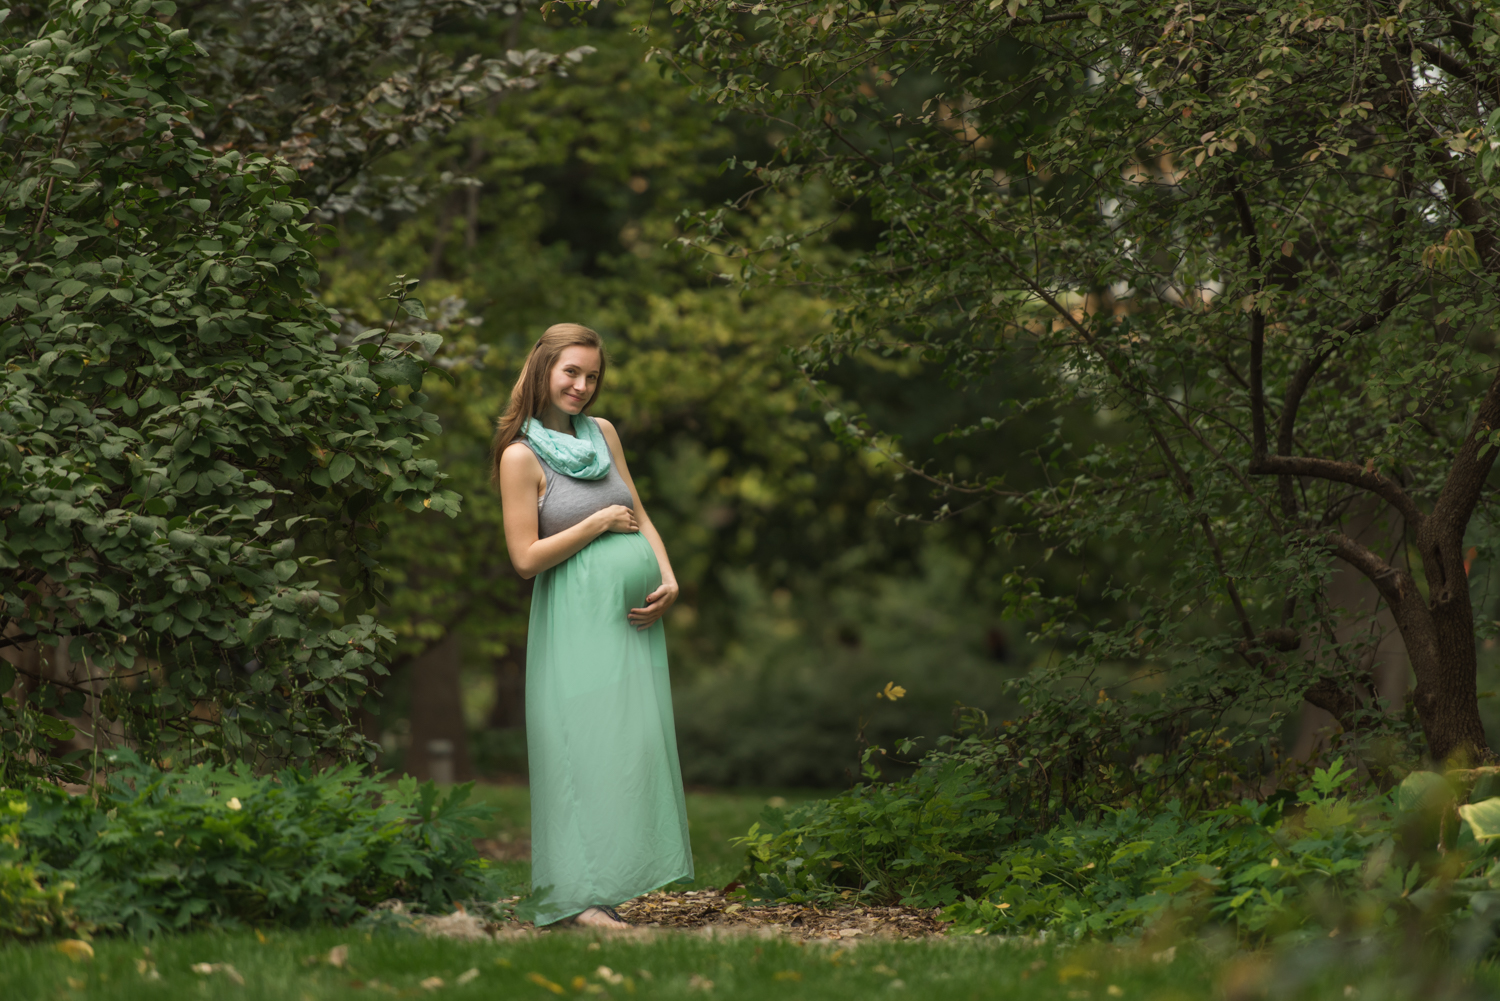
<point>574,379</point>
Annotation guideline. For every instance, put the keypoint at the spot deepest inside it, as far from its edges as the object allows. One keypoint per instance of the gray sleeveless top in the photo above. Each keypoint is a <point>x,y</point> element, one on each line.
<point>568,500</point>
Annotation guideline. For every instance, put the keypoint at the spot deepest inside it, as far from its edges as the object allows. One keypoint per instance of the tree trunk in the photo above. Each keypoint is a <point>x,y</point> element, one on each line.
<point>509,710</point>
<point>439,734</point>
<point>1447,692</point>
<point>1439,634</point>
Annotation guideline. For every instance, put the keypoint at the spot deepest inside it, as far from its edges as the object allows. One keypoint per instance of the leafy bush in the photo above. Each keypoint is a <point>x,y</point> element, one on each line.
<point>1319,861</point>
<point>214,846</point>
<point>177,410</point>
<point>27,909</point>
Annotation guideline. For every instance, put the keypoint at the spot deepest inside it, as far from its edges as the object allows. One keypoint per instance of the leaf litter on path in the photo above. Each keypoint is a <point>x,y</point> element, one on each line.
<point>710,912</point>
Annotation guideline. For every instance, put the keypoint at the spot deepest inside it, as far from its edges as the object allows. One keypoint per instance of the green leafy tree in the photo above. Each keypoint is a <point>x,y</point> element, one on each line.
<point>1262,237</point>
<point>175,404</point>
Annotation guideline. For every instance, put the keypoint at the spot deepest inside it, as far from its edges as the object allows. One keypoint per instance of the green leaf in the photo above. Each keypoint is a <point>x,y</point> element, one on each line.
<point>53,727</point>
<point>341,466</point>
<point>413,307</point>
<point>1422,790</point>
<point>1483,817</point>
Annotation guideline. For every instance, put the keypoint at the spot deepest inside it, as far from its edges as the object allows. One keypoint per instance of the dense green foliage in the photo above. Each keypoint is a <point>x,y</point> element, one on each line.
<point>176,404</point>
<point>1332,857</point>
<point>210,846</point>
<point>801,597</point>
<point>1260,238</point>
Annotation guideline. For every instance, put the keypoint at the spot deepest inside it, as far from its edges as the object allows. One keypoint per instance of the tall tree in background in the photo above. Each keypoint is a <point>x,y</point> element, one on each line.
<point>1262,236</point>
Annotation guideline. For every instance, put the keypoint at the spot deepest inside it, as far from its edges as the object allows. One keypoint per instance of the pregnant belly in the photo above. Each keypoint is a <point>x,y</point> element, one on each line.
<point>619,560</point>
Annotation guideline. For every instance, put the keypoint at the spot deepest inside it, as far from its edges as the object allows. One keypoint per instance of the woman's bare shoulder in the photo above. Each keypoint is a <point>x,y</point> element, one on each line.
<point>519,457</point>
<point>607,428</point>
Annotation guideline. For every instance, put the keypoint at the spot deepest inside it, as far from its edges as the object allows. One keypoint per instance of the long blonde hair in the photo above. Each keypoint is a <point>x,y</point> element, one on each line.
<point>529,397</point>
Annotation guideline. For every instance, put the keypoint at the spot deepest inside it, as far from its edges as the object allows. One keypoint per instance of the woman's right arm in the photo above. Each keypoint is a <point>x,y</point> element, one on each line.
<point>521,480</point>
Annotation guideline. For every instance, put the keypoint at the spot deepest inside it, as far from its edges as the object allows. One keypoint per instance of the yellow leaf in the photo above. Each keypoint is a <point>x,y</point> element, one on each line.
<point>892,691</point>
<point>787,975</point>
<point>544,983</point>
<point>234,803</point>
<point>76,949</point>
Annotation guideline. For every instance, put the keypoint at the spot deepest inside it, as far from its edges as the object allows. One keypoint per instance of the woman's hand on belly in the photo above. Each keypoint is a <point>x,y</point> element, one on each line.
<point>657,603</point>
<point>616,518</point>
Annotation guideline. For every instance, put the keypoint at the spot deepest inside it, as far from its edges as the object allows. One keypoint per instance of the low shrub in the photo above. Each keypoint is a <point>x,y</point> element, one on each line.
<point>27,908</point>
<point>212,846</point>
<point>1322,861</point>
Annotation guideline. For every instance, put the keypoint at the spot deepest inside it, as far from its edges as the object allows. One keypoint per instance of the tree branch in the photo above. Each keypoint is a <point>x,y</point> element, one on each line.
<point>1383,487</point>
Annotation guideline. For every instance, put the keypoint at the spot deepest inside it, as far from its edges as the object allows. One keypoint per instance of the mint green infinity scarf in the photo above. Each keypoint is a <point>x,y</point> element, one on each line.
<point>583,455</point>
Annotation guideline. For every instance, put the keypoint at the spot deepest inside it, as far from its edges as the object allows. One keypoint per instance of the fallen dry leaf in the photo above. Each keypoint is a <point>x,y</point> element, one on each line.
<point>699,982</point>
<point>431,983</point>
<point>76,949</point>
<point>337,956</point>
<point>544,983</point>
<point>77,983</point>
<point>467,976</point>
<point>225,968</point>
<point>609,976</point>
<point>791,975</point>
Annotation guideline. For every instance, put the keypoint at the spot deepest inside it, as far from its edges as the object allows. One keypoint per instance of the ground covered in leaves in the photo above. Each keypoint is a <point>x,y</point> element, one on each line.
<point>712,913</point>
<point>712,910</point>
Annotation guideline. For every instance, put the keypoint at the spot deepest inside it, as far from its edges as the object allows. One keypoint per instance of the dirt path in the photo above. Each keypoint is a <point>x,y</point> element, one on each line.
<point>709,912</point>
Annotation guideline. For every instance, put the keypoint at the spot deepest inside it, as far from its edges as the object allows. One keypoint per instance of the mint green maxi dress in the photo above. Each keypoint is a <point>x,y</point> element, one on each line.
<point>608,820</point>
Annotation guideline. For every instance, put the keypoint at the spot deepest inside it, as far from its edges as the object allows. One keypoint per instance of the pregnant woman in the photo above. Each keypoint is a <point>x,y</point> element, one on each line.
<point>608,820</point>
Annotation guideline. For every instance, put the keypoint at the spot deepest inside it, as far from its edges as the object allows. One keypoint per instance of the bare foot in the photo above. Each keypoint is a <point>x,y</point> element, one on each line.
<point>601,917</point>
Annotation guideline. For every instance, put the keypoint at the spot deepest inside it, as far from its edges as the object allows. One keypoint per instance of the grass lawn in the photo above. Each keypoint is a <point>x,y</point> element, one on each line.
<point>287,966</point>
<point>568,963</point>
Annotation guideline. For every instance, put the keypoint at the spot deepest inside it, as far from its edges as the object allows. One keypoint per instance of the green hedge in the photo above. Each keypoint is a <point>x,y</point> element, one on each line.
<point>222,847</point>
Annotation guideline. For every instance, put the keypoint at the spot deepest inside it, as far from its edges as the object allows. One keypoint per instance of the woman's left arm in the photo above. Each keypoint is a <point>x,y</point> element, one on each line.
<point>665,596</point>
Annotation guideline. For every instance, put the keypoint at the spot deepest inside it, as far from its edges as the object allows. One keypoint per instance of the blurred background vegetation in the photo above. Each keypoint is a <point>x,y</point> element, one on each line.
<point>809,578</point>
